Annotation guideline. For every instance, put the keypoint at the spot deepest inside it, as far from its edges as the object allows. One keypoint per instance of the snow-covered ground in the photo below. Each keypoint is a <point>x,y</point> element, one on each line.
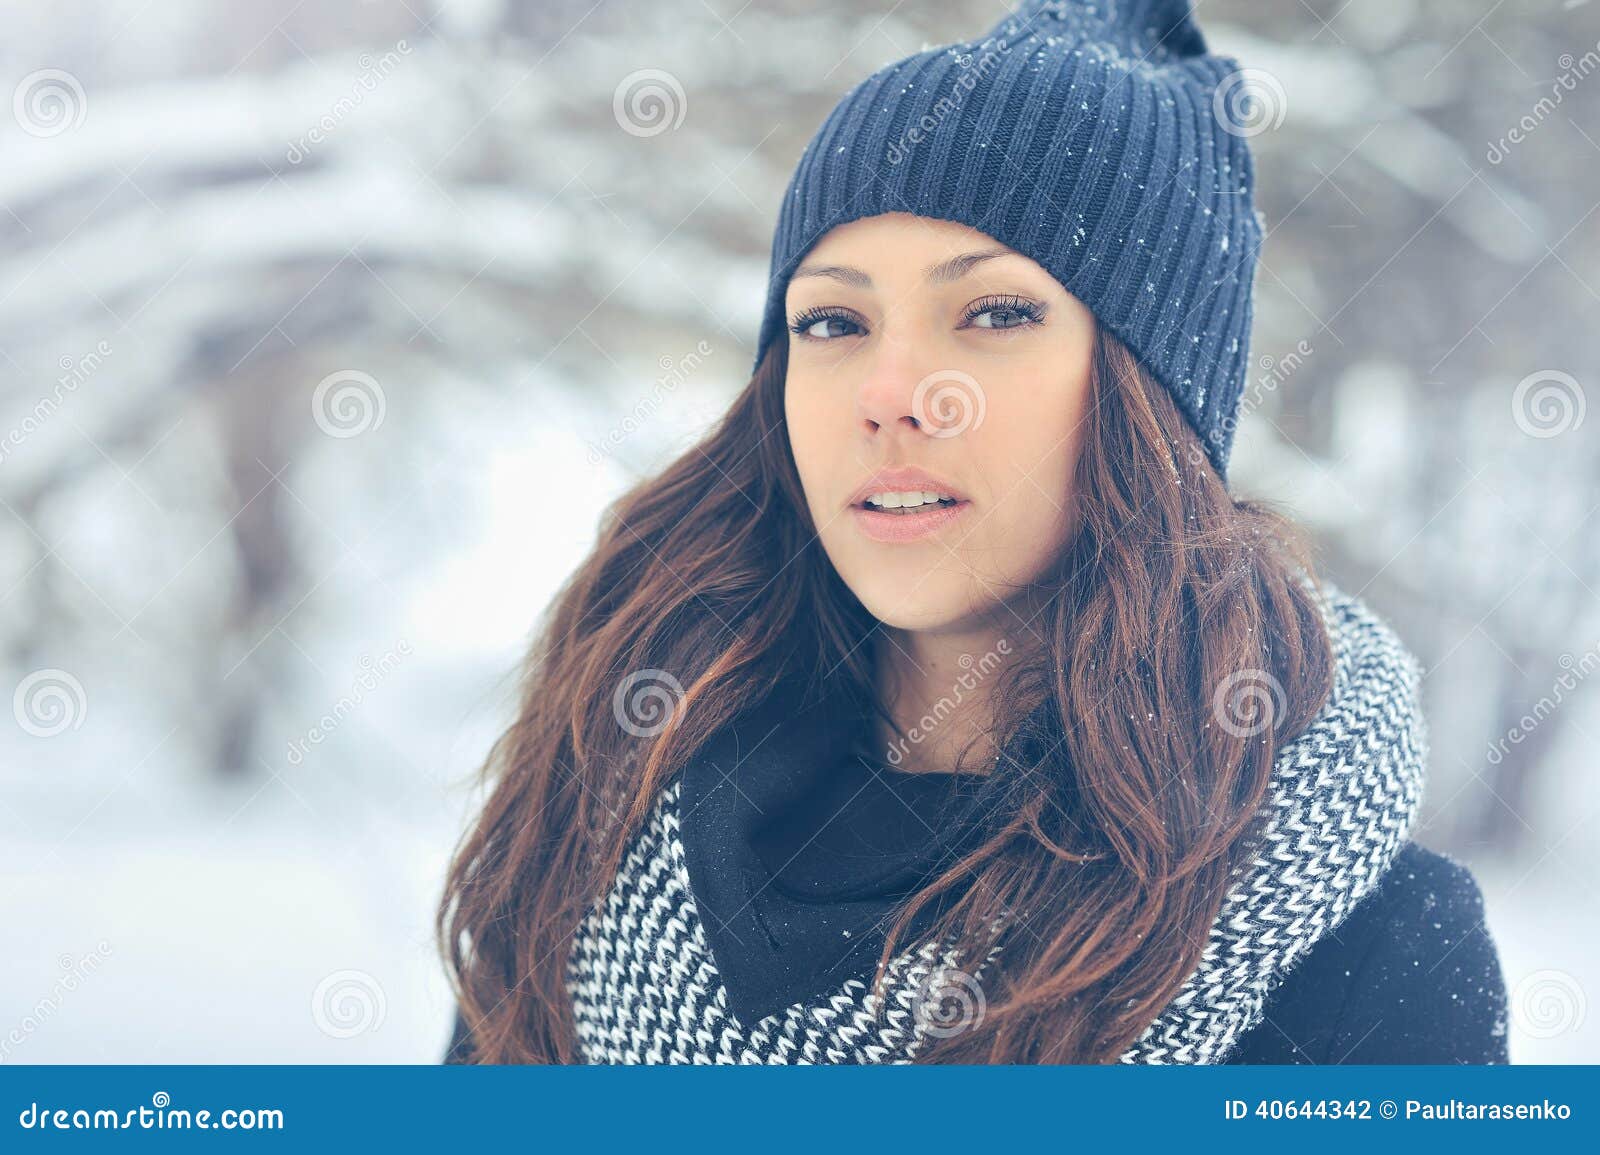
<point>1543,907</point>
<point>225,942</point>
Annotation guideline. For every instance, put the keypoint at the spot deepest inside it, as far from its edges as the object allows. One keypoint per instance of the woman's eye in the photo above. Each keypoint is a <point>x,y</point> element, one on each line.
<point>999,319</point>
<point>828,327</point>
<point>823,327</point>
<point>1012,315</point>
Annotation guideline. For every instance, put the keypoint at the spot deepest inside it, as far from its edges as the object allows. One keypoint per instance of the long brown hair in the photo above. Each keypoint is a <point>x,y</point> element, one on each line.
<point>1180,647</point>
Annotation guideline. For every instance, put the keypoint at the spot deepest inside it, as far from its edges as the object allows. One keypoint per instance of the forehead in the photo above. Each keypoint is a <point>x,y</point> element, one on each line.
<point>901,232</point>
<point>901,249</point>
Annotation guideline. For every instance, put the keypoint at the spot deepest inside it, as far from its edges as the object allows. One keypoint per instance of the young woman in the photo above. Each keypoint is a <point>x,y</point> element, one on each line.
<point>942,704</point>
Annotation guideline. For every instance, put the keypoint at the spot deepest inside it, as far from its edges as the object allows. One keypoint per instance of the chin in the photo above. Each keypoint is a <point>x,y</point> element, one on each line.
<point>925,610</point>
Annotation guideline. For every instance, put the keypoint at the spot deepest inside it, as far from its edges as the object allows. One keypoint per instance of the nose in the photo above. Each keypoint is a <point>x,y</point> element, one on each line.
<point>901,396</point>
<point>885,399</point>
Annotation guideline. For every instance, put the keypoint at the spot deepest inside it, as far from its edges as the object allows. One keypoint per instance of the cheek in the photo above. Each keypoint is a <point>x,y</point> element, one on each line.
<point>806,417</point>
<point>1031,454</point>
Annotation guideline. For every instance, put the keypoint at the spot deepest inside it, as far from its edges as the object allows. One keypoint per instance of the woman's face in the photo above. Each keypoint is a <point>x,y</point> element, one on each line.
<point>937,385</point>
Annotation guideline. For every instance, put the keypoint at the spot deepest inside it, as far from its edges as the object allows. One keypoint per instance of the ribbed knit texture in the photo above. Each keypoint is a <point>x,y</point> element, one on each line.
<point>1342,800</point>
<point>1089,137</point>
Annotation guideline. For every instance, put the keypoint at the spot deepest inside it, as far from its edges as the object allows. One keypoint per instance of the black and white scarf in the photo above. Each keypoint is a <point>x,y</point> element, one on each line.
<point>1343,797</point>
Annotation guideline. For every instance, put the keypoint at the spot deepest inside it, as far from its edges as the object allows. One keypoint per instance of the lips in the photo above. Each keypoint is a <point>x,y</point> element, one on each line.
<point>906,504</point>
<point>906,527</point>
<point>905,480</point>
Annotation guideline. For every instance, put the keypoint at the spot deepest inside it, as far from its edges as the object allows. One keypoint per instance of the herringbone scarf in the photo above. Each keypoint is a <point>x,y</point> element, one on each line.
<point>1343,797</point>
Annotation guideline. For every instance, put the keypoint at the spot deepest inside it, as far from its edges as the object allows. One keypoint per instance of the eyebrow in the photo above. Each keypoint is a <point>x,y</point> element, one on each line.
<point>940,274</point>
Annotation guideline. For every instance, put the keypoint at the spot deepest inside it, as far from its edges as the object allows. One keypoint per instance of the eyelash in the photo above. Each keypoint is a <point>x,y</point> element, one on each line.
<point>1031,311</point>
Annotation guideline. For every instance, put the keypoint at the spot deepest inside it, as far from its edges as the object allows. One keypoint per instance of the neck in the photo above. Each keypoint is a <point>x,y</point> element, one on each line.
<point>937,686</point>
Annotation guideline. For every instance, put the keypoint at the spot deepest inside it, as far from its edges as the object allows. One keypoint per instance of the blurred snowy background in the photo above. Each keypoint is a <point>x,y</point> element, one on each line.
<point>327,329</point>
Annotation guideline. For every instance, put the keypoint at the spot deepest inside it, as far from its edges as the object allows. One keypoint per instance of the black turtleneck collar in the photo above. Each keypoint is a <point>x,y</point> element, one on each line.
<point>774,945</point>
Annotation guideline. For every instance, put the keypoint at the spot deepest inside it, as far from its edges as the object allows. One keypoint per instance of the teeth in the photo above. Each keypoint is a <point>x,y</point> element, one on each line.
<point>907,500</point>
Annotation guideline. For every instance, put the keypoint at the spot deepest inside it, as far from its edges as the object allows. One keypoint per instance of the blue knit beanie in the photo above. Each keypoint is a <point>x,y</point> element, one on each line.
<point>1097,137</point>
